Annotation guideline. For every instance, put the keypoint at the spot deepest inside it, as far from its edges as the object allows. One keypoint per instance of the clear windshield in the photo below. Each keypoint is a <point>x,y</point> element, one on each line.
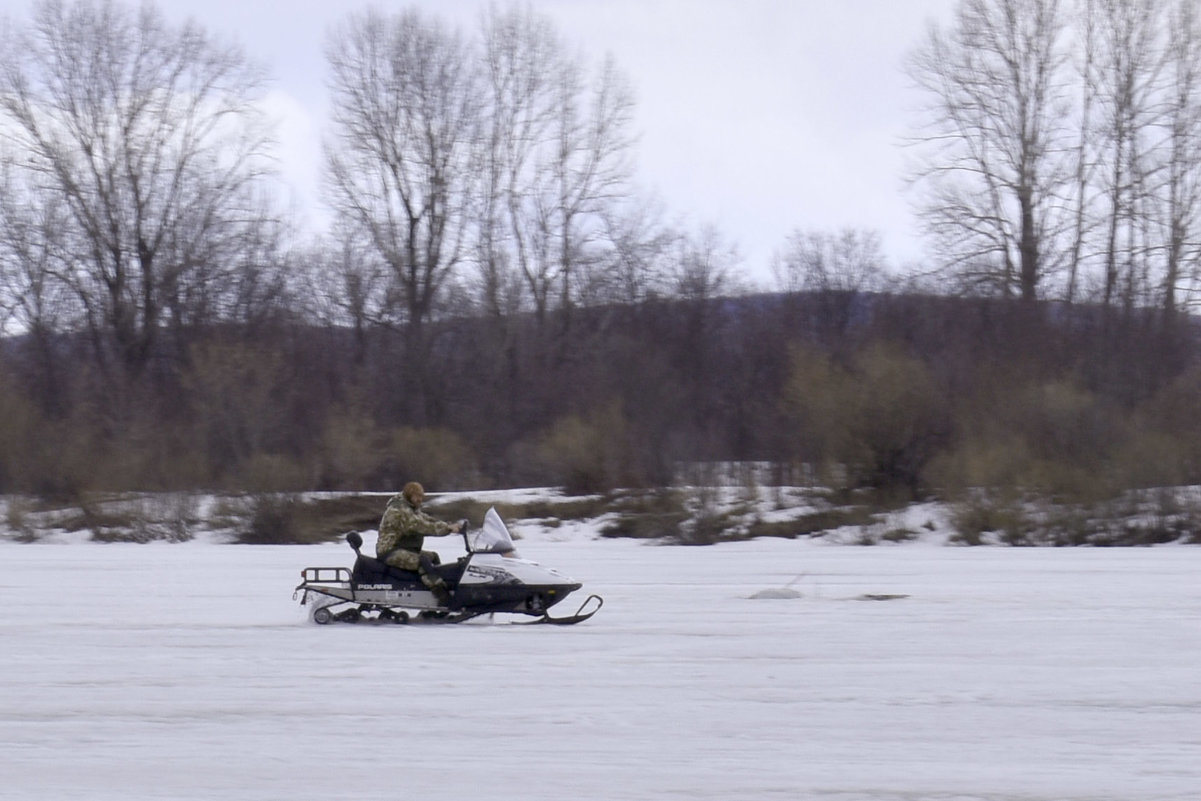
<point>492,537</point>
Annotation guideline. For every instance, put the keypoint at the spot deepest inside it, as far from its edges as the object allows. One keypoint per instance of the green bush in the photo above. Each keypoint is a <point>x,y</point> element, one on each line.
<point>588,454</point>
<point>1039,439</point>
<point>877,422</point>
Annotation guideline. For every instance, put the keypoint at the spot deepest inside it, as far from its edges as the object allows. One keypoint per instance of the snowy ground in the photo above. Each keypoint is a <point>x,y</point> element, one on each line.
<point>187,672</point>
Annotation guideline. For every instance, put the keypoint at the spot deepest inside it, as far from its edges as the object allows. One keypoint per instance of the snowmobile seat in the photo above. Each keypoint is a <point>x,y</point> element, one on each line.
<point>369,570</point>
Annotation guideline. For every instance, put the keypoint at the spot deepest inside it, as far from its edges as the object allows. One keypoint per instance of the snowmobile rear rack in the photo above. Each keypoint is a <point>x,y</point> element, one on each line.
<point>325,574</point>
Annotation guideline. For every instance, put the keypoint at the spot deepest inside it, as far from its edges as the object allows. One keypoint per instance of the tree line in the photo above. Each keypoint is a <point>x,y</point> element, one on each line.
<point>495,303</point>
<point>1058,155</point>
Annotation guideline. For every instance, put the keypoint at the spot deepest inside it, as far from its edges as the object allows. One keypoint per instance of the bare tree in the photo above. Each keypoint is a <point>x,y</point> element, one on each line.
<point>31,222</point>
<point>521,56</point>
<point>1085,149</point>
<point>1182,217</point>
<point>850,260</point>
<point>402,160</point>
<point>1127,70</point>
<point>704,265</point>
<point>402,163</point>
<point>559,157</point>
<point>835,269</point>
<point>150,137</point>
<point>349,287</point>
<point>637,266</point>
<point>32,301</point>
<point>991,155</point>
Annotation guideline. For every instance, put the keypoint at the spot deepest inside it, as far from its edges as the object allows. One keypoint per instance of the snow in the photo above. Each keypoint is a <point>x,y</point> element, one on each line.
<point>751,670</point>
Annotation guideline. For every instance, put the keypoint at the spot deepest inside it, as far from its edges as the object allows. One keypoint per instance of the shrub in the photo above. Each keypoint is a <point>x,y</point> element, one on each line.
<point>124,517</point>
<point>283,518</point>
<point>352,450</point>
<point>815,524</point>
<point>704,529</point>
<point>17,519</point>
<point>1167,450</point>
<point>587,454</point>
<point>269,473</point>
<point>654,514</point>
<point>986,512</point>
<point>19,437</point>
<point>233,390</point>
<point>881,419</point>
<point>272,520</point>
<point>1042,439</point>
<point>898,535</point>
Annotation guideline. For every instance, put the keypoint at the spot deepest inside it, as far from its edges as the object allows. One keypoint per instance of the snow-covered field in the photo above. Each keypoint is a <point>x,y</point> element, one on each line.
<point>187,671</point>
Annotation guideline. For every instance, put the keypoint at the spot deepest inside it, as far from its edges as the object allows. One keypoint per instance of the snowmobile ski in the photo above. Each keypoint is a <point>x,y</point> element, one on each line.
<point>579,617</point>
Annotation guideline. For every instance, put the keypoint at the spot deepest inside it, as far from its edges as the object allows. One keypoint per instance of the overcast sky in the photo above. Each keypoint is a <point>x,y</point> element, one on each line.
<point>758,116</point>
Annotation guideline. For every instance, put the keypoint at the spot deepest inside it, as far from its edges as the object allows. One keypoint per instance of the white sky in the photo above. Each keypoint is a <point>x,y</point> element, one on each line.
<point>758,116</point>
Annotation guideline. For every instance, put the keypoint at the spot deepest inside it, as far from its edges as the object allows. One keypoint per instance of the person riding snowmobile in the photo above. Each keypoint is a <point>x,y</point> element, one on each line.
<point>402,532</point>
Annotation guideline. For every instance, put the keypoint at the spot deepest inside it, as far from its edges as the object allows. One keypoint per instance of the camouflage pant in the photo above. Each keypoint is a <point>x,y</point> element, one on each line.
<point>420,563</point>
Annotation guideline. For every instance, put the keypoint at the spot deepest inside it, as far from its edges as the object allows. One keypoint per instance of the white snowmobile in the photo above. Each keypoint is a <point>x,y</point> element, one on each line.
<point>491,578</point>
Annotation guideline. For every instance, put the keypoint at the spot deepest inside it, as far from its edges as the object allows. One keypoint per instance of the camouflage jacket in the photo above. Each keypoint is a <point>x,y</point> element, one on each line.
<point>404,526</point>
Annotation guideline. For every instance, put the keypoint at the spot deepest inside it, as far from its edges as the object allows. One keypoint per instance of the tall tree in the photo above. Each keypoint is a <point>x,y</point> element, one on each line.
<point>403,158</point>
<point>559,157</point>
<point>849,260</point>
<point>521,55</point>
<point>637,268</point>
<point>836,267</point>
<point>1085,163</point>
<point>150,137</point>
<point>1182,216</point>
<point>1128,64</point>
<point>992,144</point>
<point>32,300</point>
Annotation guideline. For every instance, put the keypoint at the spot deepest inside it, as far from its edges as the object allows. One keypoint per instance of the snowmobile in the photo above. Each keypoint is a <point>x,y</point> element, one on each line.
<point>490,578</point>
